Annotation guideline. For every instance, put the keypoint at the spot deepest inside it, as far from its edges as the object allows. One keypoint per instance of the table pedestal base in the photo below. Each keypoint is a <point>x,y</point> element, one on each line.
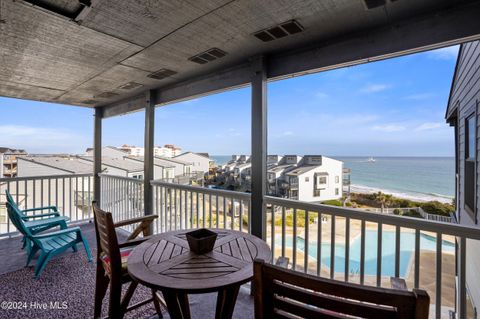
<point>178,306</point>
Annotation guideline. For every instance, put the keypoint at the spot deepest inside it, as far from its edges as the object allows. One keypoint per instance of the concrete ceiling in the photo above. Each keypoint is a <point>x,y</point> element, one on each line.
<point>72,53</point>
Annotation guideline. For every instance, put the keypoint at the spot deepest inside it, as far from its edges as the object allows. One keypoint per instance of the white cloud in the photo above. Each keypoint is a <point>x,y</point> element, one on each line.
<point>41,139</point>
<point>429,126</point>
<point>321,95</point>
<point>374,88</point>
<point>389,128</point>
<point>419,96</point>
<point>449,53</point>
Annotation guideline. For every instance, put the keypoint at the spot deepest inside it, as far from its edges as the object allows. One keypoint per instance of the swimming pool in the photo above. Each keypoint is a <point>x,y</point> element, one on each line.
<point>407,247</point>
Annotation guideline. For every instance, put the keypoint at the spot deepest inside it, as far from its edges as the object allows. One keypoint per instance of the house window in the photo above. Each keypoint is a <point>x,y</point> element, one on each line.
<point>470,159</point>
<point>337,179</point>
<point>337,191</point>
<point>307,179</point>
<point>316,193</point>
<point>322,180</point>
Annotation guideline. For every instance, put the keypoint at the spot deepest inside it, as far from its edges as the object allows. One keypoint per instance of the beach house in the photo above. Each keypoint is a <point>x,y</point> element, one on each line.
<point>463,113</point>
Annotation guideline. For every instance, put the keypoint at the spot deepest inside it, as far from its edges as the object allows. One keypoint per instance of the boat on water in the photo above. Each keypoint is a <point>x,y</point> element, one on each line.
<point>371,160</point>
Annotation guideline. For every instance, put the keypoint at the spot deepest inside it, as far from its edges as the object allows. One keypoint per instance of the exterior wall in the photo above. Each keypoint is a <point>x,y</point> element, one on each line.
<point>306,188</point>
<point>199,163</point>
<point>465,97</point>
<point>27,168</point>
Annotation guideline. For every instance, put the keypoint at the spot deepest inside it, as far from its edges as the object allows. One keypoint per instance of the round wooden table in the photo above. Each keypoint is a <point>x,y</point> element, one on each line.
<point>165,263</point>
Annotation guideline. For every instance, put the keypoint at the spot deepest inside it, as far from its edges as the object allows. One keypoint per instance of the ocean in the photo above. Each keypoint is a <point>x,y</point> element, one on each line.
<point>416,178</point>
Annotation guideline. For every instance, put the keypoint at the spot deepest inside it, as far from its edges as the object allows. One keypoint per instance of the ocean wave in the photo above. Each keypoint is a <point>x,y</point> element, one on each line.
<point>421,197</point>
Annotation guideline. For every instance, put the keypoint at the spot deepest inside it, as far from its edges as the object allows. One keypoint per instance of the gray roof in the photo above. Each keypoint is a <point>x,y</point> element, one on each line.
<point>279,168</point>
<point>301,170</point>
<point>158,161</point>
<point>123,164</point>
<point>68,164</point>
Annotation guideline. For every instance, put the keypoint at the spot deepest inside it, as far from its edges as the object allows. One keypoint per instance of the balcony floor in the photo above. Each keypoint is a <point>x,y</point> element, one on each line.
<point>70,278</point>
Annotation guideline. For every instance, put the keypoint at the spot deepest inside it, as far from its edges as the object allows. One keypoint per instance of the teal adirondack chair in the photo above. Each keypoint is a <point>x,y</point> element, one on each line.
<point>49,244</point>
<point>39,222</point>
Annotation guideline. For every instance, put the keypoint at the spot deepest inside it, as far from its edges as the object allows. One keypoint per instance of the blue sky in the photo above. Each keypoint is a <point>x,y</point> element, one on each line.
<point>394,107</point>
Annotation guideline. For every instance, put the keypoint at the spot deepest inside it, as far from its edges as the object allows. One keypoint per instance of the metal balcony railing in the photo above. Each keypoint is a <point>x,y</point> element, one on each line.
<point>71,193</point>
<point>336,242</point>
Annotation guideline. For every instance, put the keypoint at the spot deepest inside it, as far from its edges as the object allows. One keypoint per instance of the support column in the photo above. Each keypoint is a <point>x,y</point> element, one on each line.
<point>97,153</point>
<point>259,146</point>
<point>148,156</point>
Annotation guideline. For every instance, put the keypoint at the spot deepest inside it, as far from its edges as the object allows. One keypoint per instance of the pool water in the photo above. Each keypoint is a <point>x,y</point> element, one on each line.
<point>407,247</point>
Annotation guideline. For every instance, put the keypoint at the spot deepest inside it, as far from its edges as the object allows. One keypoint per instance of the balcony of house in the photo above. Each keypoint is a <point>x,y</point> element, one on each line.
<point>331,242</point>
<point>147,55</point>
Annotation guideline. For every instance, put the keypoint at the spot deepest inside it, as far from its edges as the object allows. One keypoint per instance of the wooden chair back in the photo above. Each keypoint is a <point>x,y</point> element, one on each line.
<point>107,241</point>
<point>283,293</point>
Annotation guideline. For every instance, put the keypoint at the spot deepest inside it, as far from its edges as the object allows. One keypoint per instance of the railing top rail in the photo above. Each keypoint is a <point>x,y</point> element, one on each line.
<point>131,179</point>
<point>204,190</point>
<point>14,179</point>
<point>402,221</point>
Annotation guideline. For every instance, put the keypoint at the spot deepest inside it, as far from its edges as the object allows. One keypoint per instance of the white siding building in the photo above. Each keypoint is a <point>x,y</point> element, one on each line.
<point>200,162</point>
<point>319,178</point>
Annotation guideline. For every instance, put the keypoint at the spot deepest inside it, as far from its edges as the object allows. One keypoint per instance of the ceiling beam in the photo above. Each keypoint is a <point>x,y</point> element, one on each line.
<point>453,25</point>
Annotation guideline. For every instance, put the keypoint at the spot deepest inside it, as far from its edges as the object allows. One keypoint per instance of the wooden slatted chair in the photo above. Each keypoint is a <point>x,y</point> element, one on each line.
<point>112,264</point>
<point>283,293</point>
<point>49,244</point>
<point>48,219</point>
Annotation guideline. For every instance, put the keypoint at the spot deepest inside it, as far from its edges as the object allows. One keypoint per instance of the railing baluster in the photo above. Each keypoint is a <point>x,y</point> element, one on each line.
<point>294,239</point>
<point>462,272</point>
<point>56,192</point>
<point>181,211</point>
<point>232,212</point>
<point>175,207</point>
<point>198,209</point>
<point>225,212</point>
<point>49,179</point>
<point>191,209</point>
<point>241,215</point>
<point>41,192</point>
<point>319,244</point>
<point>216,210</point>
<point>203,210</point>
<point>362,253</point>
<point>438,286</point>
<point>347,249</point>
<point>379,254</point>
<point>210,210</point>
<point>284,226</point>
<point>332,247</point>
<point>25,189</point>
<point>397,251</point>
<point>76,198</point>
<point>307,240</point>
<point>272,231</point>
<point>417,259</point>
<point>63,195</point>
